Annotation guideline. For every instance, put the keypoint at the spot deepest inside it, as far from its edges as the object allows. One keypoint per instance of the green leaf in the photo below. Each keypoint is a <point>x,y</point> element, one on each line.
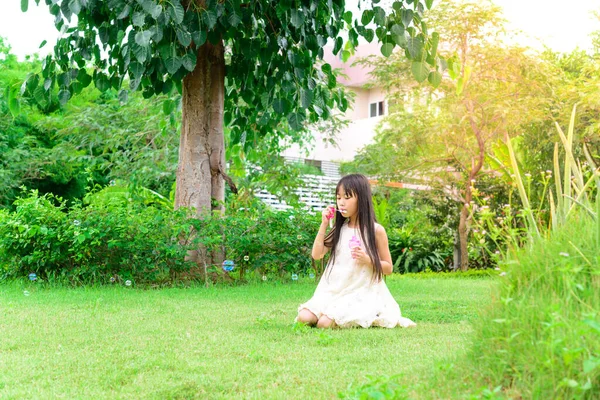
<point>32,82</point>
<point>379,16</point>
<point>176,11</point>
<point>84,78</point>
<point>592,324</point>
<point>367,16</point>
<point>346,55</point>
<point>75,6</point>
<point>296,120</point>
<point>24,5</point>
<point>407,17</point>
<point>280,106</point>
<point>199,38</point>
<point>428,3</point>
<point>141,53</point>
<point>234,19</point>
<point>64,96</point>
<point>419,70</point>
<point>435,78</point>
<point>143,38</point>
<point>460,83</point>
<point>102,83</point>
<point>139,18</point>
<point>297,18</point>
<point>435,39</point>
<point>209,18</point>
<point>338,45</point>
<point>387,49</point>
<point>136,69</point>
<point>306,97</point>
<point>184,37</point>
<point>348,17</point>
<point>369,34</point>
<point>151,8</point>
<point>189,61</point>
<point>168,106</point>
<point>13,102</point>
<point>172,64</point>
<point>591,364</point>
<point>414,45</point>
<point>125,12</point>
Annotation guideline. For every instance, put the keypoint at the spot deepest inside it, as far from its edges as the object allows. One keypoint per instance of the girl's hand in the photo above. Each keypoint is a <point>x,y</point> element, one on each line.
<point>327,214</point>
<point>360,255</point>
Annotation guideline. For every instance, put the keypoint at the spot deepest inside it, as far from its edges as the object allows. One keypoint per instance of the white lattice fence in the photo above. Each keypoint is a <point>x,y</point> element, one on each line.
<point>316,193</point>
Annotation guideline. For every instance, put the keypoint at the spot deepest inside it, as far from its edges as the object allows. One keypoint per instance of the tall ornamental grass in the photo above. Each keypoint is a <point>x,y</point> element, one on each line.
<point>540,337</point>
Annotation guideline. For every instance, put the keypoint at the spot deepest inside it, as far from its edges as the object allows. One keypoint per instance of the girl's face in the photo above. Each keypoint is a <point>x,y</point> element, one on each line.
<point>347,204</point>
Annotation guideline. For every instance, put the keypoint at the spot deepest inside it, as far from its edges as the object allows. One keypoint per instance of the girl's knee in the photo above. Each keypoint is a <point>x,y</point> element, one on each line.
<point>307,317</point>
<point>325,322</point>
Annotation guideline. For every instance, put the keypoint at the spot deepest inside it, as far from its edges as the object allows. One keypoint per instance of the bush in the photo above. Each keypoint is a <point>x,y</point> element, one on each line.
<point>118,237</point>
<point>124,241</point>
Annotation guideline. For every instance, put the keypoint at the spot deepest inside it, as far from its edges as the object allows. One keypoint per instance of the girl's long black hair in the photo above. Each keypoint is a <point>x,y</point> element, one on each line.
<point>357,185</point>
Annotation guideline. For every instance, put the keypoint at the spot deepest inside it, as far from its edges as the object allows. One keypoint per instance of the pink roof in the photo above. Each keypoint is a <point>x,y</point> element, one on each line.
<point>357,75</point>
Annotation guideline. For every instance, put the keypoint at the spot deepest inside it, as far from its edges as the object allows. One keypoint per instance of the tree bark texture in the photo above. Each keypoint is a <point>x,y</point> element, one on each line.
<point>201,166</point>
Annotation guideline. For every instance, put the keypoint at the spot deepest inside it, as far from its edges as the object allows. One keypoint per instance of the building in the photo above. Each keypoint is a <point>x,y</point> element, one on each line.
<point>367,111</point>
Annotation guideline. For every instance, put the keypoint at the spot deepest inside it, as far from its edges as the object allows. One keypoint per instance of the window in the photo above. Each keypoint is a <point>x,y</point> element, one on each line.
<point>376,109</point>
<point>314,163</point>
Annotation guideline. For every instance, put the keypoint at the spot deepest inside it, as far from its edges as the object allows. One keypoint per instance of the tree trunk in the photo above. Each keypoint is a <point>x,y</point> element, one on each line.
<point>463,235</point>
<point>200,172</point>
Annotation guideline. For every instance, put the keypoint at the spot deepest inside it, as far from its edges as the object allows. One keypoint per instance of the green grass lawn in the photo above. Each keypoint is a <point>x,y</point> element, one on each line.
<point>220,342</point>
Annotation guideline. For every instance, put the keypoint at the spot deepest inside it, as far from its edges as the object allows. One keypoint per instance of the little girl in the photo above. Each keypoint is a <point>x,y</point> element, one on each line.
<point>351,291</point>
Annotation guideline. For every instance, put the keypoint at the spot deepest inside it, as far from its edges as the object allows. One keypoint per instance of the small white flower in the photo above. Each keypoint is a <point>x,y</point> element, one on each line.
<point>299,237</point>
<point>528,175</point>
<point>484,232</point>
<point>497,252</point>
<point>563,254</point>
<point>128,283</point>
<point>497,269</point>
<point>246,258</point>
<point>472,180</point>
<point>482,241</point>
<point>502,273</point>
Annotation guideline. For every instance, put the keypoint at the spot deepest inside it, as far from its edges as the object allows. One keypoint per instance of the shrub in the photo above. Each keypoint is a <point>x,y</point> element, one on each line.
<point>119,237</point>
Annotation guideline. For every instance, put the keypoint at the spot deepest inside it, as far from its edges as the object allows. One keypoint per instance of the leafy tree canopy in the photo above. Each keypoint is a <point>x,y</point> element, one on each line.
<point>272,80</point>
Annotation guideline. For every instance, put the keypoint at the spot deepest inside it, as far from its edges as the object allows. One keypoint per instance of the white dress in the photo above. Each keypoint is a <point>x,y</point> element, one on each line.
<point>347,294</point>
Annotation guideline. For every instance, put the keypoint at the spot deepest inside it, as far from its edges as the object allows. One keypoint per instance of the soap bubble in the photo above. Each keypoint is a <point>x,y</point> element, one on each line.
<point>228,265</point>
<point>26,293</point>
<point>127,283</point>
<point>113,183</point>
<point>311,275</point>
<point>112,279</point>
<point>246,258</point>
<point>294,277</point>
<point>32,277</point>
<point>264,278</point>
<point>76,222</point>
